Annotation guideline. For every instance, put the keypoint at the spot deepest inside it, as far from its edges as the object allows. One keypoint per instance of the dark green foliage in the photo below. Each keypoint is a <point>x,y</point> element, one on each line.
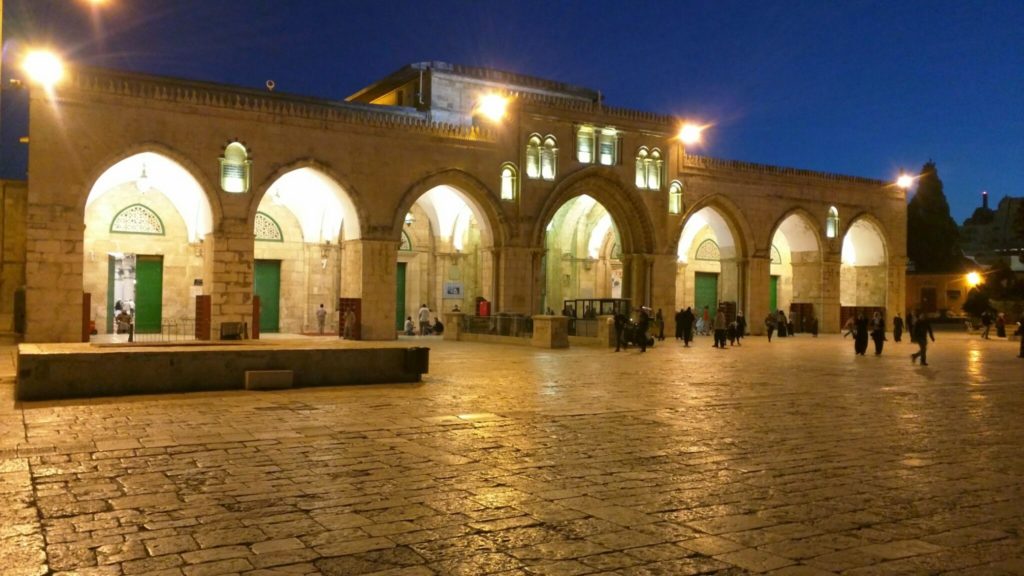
<point>932,235</point>
<point>976,302</point>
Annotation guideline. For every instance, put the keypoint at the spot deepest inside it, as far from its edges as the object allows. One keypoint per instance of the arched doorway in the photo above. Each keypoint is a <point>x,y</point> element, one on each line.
<point>145,221</point>
<point>300,227</point>
<point>582,258</point>
<point>708,272</point>
<point>863,273</point>
<point>795,283</point>
<point>445,255</point>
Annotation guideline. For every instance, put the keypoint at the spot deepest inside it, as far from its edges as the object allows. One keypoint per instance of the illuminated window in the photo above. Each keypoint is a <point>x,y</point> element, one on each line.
<point>548,159</point>
<point>585,144</point>
<point>509,182</point>
<point>533,155</point>
<point>654,166</point>
<point>648,169</point>
<point>832,223</point>
<point>234,168</point>
<point>608,147</point>
<point>675,198</point>
<point>641,168</point>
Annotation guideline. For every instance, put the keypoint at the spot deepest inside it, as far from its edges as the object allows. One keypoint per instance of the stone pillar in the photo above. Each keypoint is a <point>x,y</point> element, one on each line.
<point>231,273</point>
<point>54,244</point>
<point>896,298</point>
<point>729,281</point>
<point>516,279</point>
<point>606,330</point>
<point>453,325</point>
<point>550,332</point>
<point>370,275</point>
<point>830,291</point>
<point>663,288</point>
<point>759,281</point>
<point>636,270</point>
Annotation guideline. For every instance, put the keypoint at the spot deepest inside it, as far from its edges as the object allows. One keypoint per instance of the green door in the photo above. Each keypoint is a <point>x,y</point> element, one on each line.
<point>267,285</point>
<point>400,298</point>
<point>705,292</point>
<point>149,293</point>
<point>773,294</point>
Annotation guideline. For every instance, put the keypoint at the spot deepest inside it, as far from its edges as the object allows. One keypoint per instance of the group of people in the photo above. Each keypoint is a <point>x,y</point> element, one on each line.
<point>348,320</point>
<point>862,329</point>
<point>426,326</point>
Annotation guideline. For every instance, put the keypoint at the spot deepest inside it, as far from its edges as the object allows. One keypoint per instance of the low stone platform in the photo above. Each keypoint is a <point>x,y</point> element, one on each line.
<point>55,371</point>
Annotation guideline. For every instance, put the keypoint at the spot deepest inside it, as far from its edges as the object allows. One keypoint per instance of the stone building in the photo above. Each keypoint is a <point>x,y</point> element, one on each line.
<point>155,190</point>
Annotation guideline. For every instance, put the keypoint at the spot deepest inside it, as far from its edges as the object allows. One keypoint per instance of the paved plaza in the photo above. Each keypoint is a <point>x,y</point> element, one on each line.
<point>789,458</point>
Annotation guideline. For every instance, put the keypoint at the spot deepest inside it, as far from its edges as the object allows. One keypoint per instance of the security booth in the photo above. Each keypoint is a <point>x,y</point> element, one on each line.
<point>583,313</point>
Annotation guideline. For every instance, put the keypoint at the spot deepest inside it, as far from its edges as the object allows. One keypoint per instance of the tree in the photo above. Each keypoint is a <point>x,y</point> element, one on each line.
<point>932,235</point>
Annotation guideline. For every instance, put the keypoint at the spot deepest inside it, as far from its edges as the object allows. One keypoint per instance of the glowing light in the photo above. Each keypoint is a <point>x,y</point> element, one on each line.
<point>905,181</point>
<point>44,68</point>
<point>973,279</point>
<point>492,107</point>
<point>691,133</point>
<point>598,235</point>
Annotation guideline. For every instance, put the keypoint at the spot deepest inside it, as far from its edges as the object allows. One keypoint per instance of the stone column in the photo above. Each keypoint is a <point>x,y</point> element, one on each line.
<point>663,288</point>
<point>229,266</point>
<point>370,275</point>
<point>759,281</point>
<point>896,299</point>
<point>830,291</point>
<point>54,244</point>
<point>516,279</point>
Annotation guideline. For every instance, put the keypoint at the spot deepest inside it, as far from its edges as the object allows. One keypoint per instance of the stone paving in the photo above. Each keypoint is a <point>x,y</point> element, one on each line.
<point>791,458</point>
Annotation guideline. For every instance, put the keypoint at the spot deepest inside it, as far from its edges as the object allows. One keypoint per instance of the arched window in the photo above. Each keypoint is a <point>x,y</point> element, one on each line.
<point>654,165</point>
<point>137,219</point>
<point>509,182</point>
<point>548,159</point>
<point>832,223</point>
<point>641,168</point>
<point>675,198</point>
<point>267,229</point>
<point>533,155</point>
<point>234,168</point>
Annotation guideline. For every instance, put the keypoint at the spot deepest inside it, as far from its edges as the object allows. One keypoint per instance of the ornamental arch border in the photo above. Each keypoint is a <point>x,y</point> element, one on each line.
<point>345,184</point>
<point>475,191</point>
<point>210,192</point>
<point>630,215</point>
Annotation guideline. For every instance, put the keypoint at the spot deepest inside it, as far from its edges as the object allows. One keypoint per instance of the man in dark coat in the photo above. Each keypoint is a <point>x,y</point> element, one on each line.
<point>922,332</point>
<point>860,337</point>
<point>687,321</point>
<point>679,324</point>
<point>643,323</point>
<point>620,326</point>
<point>897,328</point>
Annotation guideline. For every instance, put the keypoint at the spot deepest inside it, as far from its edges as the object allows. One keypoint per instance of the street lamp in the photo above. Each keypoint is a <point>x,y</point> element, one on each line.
<point>43,67</point>
<point>973,279</point>
<point>691,133</point>
<point>905,181</point>
<point>492,106</point>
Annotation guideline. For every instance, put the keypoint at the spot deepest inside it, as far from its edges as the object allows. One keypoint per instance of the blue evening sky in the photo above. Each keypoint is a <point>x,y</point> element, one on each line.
<point>858,87</point>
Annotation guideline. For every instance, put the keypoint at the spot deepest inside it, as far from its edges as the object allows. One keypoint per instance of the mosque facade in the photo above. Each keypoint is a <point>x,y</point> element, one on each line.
<point>165,192</point>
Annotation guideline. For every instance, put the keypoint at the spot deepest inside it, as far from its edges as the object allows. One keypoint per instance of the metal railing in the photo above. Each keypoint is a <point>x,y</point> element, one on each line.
<point>499,325</point>
<point>180,330</point>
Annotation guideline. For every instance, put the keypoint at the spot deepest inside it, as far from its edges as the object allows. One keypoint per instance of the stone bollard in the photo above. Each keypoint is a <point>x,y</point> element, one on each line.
<point>453,325</point>
<point>606,330</point>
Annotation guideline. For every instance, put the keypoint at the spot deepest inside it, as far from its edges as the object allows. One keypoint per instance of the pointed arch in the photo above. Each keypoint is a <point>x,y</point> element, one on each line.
<point>344,192</point>
<point>484,203</point>
<point>629,213</point>
<point>731,217</point>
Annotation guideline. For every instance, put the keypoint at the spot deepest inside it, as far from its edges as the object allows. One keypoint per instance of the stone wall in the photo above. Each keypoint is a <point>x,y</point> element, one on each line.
<point>12,236</point>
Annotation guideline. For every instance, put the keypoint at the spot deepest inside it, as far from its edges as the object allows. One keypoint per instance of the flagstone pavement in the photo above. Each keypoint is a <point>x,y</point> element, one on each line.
<point>790,458</point>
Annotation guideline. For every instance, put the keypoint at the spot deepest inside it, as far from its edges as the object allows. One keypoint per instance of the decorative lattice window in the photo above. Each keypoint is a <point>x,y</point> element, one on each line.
<point>267,229</point>
<point>776,255</point>
<point>406,245</point>
<point>137,219</point>
<point>708,250</point>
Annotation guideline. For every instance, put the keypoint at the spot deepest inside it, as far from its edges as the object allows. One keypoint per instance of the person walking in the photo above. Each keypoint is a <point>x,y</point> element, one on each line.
<point>741,327</point>
<point>782,325</point>
<point>769,324</point>
<point>687,322</point>
<point>423,315</point>
<point>321,318</point>
<point>659,322</point>
<point>986,323</point>
<point>620,326</point>
<point>860,337</point>
<point>878,332</point>
<point>720,326</point>
<point>897,328</point>
<point>643,323</point>
<point>679,324</point>
<point>706,317</point>
<point>1000,325</point>
<point>922,332</point>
